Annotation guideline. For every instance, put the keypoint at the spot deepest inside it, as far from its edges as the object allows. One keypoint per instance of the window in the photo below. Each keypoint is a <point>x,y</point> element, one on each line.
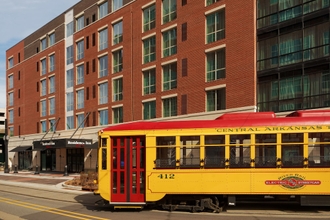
<point>69,78</point>
<point>149,110</point>
<point>103,66</point>
<point>216,99</point>
<point>80,49</point>
<point>292,150</point>
<point>290,12</point>
<point>318,149</point>
<point>43,126</point>
<point>149,81</point>
<point>43,66</point>
<point>290,48</point>
<point>169,76</point>
<point>169,42</point>
<point>190,151</point>
<point>103,41</point>
<point>118,89</point>
<point>51,39</point>
<point>11,131</point>
<point>11,99</point>
<point>80,23</point>
<point>80,120</point>
<point>10,62</point>
<point>51,63</point>
<point>69,122</point>
<point>216,65</point>
<point>170,107</point>
<point>169,10</point>
<point>265,153</point>
<point>210,2</point>
<point>43,108</point>
<point>118,115</point>
<point>116,4</point>
<point>117,61</point>
<point>215,29</point>
<point>43,87</point>
<point>11,116</point>
<point>80,99</point>
<point>103,117</point>
<point>149,18</point>
<point>103,93</point>
<point>69,101</point>
<point>10,81</point>
<point>103,10</point>
<point>214,155</point>
<point>52,106</point>
<point>165,152</point>
<point>240,155</point>
<point>52,125</point>
<point>51,84</point>
<point>117,32</point>
<point>69,55</point>
<point>43,44</point>
<point>80,74</point>
<point>316,41</point>
<point>69,29</point>
<point>149,49</point>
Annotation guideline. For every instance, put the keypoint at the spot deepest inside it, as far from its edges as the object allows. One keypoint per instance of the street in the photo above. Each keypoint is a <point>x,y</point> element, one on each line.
<point>32,204</point>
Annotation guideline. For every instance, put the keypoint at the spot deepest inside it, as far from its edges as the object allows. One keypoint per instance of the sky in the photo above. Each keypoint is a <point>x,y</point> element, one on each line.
<point>19,19</point>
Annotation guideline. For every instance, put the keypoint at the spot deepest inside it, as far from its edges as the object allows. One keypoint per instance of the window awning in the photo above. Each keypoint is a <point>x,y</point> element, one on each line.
<point>21,148</point>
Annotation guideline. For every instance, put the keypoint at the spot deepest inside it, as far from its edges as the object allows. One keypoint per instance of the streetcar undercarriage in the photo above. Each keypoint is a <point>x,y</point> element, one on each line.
<point>219,203</point>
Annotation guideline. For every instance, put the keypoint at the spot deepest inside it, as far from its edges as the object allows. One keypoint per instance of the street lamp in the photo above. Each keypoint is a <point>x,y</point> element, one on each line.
<point>5,141</point>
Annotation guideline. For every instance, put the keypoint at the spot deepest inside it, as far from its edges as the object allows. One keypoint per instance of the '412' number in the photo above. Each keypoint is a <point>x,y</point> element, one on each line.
<point>166,176</point>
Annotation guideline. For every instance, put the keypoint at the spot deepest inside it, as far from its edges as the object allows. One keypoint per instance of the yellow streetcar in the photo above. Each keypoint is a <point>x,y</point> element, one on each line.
<point>206,164</point>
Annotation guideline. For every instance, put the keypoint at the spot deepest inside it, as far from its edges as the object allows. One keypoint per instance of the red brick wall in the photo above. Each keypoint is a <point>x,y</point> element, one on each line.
<point>240,79</point>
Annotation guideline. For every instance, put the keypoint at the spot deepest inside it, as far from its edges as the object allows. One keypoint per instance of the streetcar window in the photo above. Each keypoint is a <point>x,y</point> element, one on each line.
<point>214,156</point>
<point>319,149</point>
<point>292,150</point>
<point>240,151</point>
<point>190,151</point>
<point>114,182</point>
<point>104,158</point>
<point>114,158</point>
<point>104,142</point>
<point>165,152</point>
<point>265,153</point>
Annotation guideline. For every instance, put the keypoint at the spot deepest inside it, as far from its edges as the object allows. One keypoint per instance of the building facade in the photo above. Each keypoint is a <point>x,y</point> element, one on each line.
<point>293,55</point>
<point>104,62</point>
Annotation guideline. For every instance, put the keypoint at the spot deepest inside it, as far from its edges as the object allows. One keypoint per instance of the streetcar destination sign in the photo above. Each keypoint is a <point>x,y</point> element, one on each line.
<point>275,128</point>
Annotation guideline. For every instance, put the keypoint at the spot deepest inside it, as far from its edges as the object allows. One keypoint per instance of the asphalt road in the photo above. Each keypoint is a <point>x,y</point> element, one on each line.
<point>33,204</point>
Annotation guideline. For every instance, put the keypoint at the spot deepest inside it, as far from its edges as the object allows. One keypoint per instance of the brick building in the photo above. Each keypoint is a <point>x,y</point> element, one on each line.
<point>104,62</point>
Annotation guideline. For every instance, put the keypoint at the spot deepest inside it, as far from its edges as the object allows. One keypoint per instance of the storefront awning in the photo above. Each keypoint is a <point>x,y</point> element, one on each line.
<point>21,148</point>
<point>93,146</point>
<point>63,143</point>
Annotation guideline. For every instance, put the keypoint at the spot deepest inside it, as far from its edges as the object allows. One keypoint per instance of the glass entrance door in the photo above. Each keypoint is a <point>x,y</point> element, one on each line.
<point>48,160</point>
<point>128,169</point>
<point>75,160</point>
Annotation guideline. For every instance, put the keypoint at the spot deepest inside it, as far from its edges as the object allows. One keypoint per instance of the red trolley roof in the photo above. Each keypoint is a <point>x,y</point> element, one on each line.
<point>250,119</point>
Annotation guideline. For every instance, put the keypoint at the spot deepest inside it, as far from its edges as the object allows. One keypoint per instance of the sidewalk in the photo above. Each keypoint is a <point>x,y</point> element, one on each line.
<point>53,181</point>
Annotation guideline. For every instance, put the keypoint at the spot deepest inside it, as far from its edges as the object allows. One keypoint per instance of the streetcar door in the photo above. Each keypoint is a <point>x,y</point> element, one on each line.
<point>128,169</point>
